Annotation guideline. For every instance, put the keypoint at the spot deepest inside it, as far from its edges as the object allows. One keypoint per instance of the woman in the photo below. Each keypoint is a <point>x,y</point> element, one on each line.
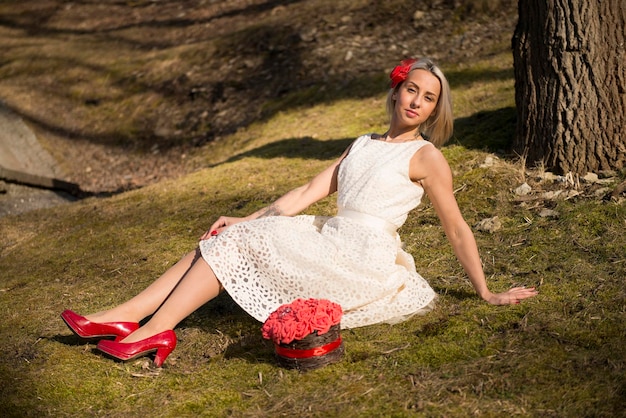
<point>272,257</point>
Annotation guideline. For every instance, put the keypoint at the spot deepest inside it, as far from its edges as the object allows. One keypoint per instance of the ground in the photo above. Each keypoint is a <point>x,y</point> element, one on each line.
<point>124,94</point>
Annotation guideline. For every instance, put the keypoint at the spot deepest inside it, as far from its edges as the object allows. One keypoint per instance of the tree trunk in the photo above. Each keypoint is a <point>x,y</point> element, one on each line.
<point>570,84</point>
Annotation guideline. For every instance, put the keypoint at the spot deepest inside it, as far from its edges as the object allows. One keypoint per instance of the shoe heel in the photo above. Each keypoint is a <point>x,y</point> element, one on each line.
<point>163,343</point>
<point>161,355</point>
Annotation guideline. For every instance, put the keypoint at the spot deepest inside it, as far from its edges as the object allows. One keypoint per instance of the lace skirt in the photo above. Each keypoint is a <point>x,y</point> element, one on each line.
<point>271,261</point>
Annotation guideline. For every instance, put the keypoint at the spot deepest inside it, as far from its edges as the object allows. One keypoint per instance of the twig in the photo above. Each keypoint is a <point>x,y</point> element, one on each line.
<point>367,391</point>
<point>396,349</point>
<point>460,188</point>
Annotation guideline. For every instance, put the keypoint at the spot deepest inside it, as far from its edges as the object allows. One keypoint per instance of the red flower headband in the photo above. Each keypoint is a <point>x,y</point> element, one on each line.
<point>400,72</point>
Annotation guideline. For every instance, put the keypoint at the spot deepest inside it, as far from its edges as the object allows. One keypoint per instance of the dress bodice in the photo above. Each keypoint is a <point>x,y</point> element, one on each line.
<point>374,179</point>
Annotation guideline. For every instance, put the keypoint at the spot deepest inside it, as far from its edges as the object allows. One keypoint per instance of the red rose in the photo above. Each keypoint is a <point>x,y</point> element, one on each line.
<point>303,329</point>
<point>335,314</point>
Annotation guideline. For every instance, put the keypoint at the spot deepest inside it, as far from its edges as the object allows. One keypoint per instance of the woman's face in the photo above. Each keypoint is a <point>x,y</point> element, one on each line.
<point>416,98</point>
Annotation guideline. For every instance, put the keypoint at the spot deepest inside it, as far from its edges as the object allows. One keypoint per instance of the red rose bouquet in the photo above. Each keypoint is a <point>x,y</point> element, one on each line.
<point>302,317</point>
<point>306,333</point>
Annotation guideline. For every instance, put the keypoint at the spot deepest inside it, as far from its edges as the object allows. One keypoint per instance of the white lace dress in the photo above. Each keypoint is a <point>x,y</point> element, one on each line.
<point>354,259</point>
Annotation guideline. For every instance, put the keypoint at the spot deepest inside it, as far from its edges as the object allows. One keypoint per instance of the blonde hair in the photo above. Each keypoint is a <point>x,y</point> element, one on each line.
<point>438,127</point>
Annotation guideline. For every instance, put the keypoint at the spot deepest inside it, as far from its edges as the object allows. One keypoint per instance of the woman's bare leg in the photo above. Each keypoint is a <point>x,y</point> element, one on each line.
<point>198,286</point>
<point>149,300</point>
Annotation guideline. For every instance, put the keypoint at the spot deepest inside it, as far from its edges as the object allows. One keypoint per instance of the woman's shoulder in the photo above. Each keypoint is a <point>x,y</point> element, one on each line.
<point>428,159</point>
<point>360,141</point>
<point>429,152</point>
<point>367,136</point>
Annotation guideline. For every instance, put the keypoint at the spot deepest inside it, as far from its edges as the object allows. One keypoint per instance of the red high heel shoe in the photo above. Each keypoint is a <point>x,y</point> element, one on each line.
<point>84,328</point>
<point>163,343</point>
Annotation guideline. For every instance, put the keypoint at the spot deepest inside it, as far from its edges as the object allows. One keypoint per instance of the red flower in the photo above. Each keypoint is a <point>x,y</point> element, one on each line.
<point>400,72</point>
<point>300,318</point>
<point>302,330</point>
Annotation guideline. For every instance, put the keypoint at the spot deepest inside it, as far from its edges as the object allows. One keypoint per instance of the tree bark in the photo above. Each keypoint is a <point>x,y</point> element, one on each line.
<point>570,84</point>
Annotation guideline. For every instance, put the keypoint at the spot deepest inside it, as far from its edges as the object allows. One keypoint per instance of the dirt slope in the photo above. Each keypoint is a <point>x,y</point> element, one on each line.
<point>121,93</point>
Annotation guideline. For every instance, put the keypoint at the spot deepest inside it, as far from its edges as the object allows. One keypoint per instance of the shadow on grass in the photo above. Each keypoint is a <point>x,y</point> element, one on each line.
<point>242,330</point>
<point>36,20</point>
<point>490,131</point>
<point>462,78</point>
<point>457,294</point>
<point>267,68</point>
<point>71,339</point>
<point>304,147</point>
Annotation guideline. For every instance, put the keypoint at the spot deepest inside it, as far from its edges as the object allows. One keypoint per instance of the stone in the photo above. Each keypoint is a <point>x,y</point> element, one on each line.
<point>490,225</point>
<point>591,177</point>
<point>523,190</point>
<point>489,162</point>
<point>548,213</point>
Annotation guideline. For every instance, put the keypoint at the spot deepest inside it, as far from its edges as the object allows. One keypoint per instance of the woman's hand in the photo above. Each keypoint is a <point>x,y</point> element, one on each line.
<point>512,296</point>
<point>218,226</point>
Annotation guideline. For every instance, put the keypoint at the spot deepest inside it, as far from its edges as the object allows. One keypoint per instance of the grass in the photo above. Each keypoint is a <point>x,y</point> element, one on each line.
<point>560,354</point>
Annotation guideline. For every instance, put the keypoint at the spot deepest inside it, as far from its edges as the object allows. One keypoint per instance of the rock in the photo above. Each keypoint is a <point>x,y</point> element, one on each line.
<point>309,35</point>
<point>489,161</point>
<point>490,225</point>
<point>418,15</point>
<point>551,195</point>
<point>563,194</point>
<point>548,213</point>
<point>591,178</point>
<point>548,176</point>
<point>419,21</point>
<point>523,190</point>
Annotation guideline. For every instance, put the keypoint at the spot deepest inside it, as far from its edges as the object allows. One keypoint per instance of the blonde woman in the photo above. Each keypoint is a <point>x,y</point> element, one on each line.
<point>274,256</point>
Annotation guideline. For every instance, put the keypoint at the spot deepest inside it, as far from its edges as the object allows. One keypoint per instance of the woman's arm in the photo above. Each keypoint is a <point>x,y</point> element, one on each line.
<point>430,169</point>
<point>292,202</point>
